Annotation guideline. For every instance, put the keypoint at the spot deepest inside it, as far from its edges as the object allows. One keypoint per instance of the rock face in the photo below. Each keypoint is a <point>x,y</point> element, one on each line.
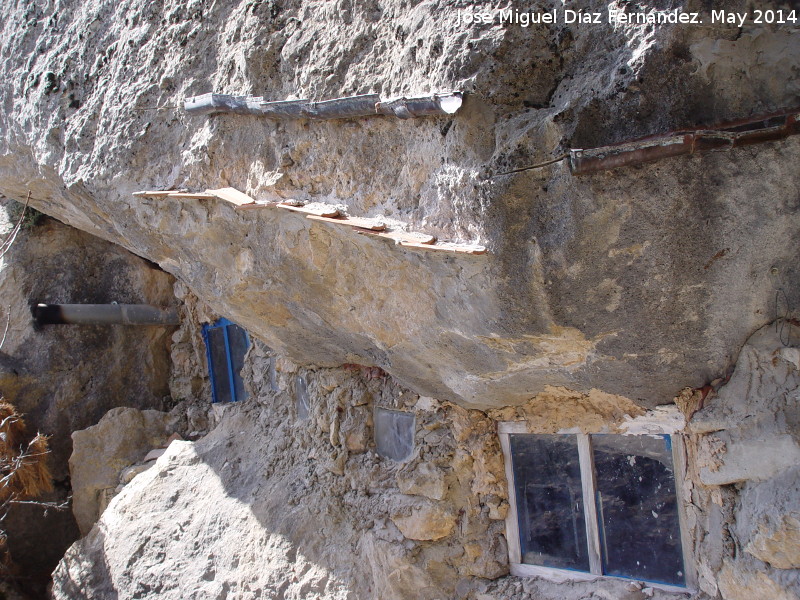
<point>124,436</point>
<point>277,510</point>
<point>636,282</point>
<point>425,480</point>
<point>746,435</point>
<point>63,377</point>
<point>752,422</point>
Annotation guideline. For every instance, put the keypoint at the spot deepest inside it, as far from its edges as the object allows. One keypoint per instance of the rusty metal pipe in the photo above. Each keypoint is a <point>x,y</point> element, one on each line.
<point>745,132</point>
<point>103,314</point>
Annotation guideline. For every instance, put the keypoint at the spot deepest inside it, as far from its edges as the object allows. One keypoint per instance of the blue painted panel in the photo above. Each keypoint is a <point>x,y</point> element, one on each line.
<point>226,344</point>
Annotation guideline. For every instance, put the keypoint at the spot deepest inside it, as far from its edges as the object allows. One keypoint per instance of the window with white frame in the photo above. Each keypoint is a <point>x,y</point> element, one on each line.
<point>591,505</point>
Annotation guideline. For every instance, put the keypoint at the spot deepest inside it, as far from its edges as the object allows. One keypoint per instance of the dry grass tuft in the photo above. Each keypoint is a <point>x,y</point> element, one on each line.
<point>31,475</point>
<point>12,429</point>
<point>24,473</point>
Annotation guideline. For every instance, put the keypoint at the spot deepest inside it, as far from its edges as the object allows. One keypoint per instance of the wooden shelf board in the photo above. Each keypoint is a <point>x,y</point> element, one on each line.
<point>329,212</point>
<point>447,247</point>
<point>154,193</point>
<point>192,195</point>
<point>359,222</point>
<point>400,236</point>
<point>258,205</point>
<point>233,196</point>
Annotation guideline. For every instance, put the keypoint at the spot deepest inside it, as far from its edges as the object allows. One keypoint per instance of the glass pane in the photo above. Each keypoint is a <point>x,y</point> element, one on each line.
<point>273,375</point>
<point>237,339</point>
<point>547,482</point>
<point>394,433</point>
<point>637,507</point>
<point>219,364</point>
<point>301,398</point>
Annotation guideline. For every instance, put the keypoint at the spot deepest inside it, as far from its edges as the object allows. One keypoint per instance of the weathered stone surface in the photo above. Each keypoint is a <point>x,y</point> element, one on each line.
<point>277,493</point>
<point>747,541</point>
<point>764,381</point>
<point>750,424</point>
<point>737,584</point>
<point>269,507</point>
<point>778,545</point>
<point>751,459</point>
<point>426,522</point>
<point>768,520</point>
<point>498,508</point>
<point>66,377</point>
<point>127,474</point>
<point>124,436</point>
<point>629,282</point>
<point>560,408</point>
<point>426,480</point>
<point>621,287</point>
<point>487,560</point>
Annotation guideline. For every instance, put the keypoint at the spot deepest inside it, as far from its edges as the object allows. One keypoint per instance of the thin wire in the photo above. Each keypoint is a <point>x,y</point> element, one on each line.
<point>536,166</point>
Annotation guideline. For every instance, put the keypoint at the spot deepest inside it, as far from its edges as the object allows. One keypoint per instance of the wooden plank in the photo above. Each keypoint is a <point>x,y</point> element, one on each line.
<point>350,221</point>
<point>401,236</point>
<point>258,205</point>
<point>192,195</point>
<point>551,573</point>
<point>512,524</point>
<point>512,427</point>
<point>565,576</point>
<point>233,196</point>
<point>590,507</point>
<point>319,211</point>
<point>447,247</point>
<point>154,193</point>
<point>679,470</point>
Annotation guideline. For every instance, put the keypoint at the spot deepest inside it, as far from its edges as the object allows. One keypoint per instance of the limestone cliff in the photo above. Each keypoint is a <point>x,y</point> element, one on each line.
<point>636,282</point>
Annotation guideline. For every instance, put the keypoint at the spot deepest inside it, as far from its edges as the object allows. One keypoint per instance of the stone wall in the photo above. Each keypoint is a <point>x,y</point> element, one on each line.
<point>284,500</point>
<point>283,503</point>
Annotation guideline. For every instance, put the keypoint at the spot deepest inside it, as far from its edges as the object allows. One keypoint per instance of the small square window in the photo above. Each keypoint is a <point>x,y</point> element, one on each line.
<point>226,345</point>
<point>594,505</point>
<point>394,433</point>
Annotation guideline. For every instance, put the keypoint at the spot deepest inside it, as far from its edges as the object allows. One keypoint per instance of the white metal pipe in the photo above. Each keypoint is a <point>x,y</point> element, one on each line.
<point>364,105</point>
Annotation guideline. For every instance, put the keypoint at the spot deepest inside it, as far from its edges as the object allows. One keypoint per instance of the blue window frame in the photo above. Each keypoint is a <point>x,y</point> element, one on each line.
<point>226,345</point>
